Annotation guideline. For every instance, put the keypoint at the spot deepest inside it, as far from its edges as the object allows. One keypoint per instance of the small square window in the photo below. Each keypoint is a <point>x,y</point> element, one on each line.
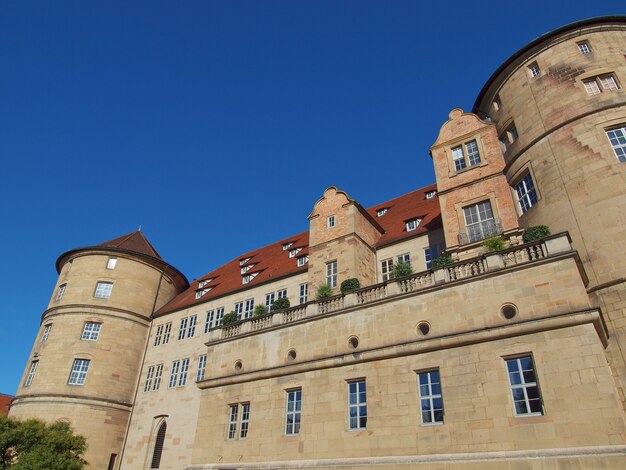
<point>103,290</point>
<point>91,331</point>
<point>111,263</point>
<point>534,70</point>
<point>584,47</point>
<point>331,221</point>
<point>302,260</point>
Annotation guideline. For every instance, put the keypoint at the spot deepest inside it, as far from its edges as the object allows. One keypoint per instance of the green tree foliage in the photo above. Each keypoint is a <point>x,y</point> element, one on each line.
<point>496,243</point>
<point>323,292</point>
<point>33,444</point>
<point>229,319</point>
<point>442,261</point>
<point>535,233</point>
<point>402,269</point>
<point>260,310</point>
<point>350,285</point>
<point>281,304</point>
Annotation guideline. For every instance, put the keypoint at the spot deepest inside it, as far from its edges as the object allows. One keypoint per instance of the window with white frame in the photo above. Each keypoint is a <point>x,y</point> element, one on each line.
<point>479,221</point>
<point>331,274</point>
<point>187,327</point>
<point>302,260</point>
<point>382,211</point>
<point>111,263</point>
<point>248,277</point>
<point>617,137</point>
<point>465,155</point>
<point>386,268</point>
<point>202,292</point>
<point>79,372</point>
<point>509,136</point>
<point>286,246</point>
<point>244,261</point>
<point>404,258</point>
<point>203,283</point>
<point>239,309</point>
<point>281,293</point>
<point>304,293</point>
<point>153,378</point>
<point>534,70</point>
<point>247,268</point>
<point>431,194</point>
<point>182,329</point>
<point>103,290</point>
<point>219,316</point>
<point>294,412</point>
<point>31,373</point>
<point>269,301</point>
<point>432,253</point>
<point>330,222</point>
<point>91,331</point>
<point>237,419</point>
<point>600,84</point>
<point>357,405</point>
<point>191,328</point>
<point>524,386</point>
<point>249,308</point>
<point>431,401</point>
<point>526,194</point>
<point>162,335</point>
<point>46,332</point>
<point>178,374</point>
<point>60,292</point>
<point>412,224</point>
<point>584,47</point>
<point>201,367</point>
<point>294,252</point>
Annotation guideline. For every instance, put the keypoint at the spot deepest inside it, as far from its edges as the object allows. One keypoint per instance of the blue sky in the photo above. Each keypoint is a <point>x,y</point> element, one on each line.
<point>216,125</point>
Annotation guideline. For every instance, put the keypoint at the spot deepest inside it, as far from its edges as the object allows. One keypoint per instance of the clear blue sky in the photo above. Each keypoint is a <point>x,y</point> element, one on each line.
<point>217,125</point>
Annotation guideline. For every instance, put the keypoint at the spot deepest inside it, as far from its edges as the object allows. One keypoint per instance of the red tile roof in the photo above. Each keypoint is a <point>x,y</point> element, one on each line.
<point>5,401</point>
<point>272,262</point>
<point>134,241</point>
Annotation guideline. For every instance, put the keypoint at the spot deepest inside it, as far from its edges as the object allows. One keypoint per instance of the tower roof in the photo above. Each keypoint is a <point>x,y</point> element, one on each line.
<point>134,241</point>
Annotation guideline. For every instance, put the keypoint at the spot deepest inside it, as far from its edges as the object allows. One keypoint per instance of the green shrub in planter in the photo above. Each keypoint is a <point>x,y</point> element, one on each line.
<point>281,304</point>
<point>324,292</point>
<point>229,319</point>
<point>496,243</point>
<point>402,269</point>
<point>442,261</point>
<point>535,233</point>
<point>350,285</point>
<point>260,310</point>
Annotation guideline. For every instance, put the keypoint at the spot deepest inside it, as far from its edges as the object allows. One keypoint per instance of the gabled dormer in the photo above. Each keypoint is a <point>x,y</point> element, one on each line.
<point>475,198</point>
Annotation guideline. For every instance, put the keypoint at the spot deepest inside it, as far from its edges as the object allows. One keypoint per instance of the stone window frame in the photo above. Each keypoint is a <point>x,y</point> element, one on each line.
<point>103,290</point>
<point>91,330</point>
<point>157,440</point>
<point>386,269</point>
<point>622,148</point>
<point>584,47</point>
<point>428,393</point>
<point>595,76</point>
<point>60,292</point>
<point>331,221</point>
<point>603,128</point>
<point>162,334</point>
<point>534,71</point>
<point>78,372</point>
<point>523,385</point>
<point>358,404</point>
<point>202,360</point>
<point>331,271</point>
<point>461,142</point>
<point>238,421</point>
<point>508,136</point>
<point>154,375</point>
<point>459,206</point>
<point>517,177</point>
<point>178,373</point>
<point>45,334</point>
<point>294,398</point>
<point>34,364</point>
<point>303,290</point>
<point>112,262</point>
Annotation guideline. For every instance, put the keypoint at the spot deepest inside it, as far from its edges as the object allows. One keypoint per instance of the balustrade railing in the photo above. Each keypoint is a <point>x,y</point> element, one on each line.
<point>294,314</point>
<point>417,282</point>
<point>331,304</point>
<point>467,269</point>
<point>261,322</point>
<point>373,293</point>
<point>523,254</point>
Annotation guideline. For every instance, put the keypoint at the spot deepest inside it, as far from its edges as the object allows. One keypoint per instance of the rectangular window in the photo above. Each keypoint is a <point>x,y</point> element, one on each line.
<point>462,159</point>
<point>282,293</point>
<point>405,258</point>
<point>182,329</point>
<point>331,274</point>
<point>294,252</point>
<point>473,156</point>
<point>60,292</point>
<point>479,221</point>
<point>269,300</point>
<point>162,335</point>
<point>357,405</point>
<point>91,331</point>
<point>430,253</point>
<point>166,332</point>
<point>31,373</point>
<point>210,318</point>
<point>591,86</point>
<point>526,194</point>
<point>524,387</point>
<point>239,309</point>
<point>111,263</point>
<point>331,221</point>
<point>249,308</point>
<point>235,420</point>
<point>201,367</point>
<point>191,328</point>
<point>103,290</point>
<point>534,70</point>
<point>46,332</point>
<point>617,137</point>
<point>219,316</point>
<point>608,82</point>
<point>509,136</point>
<point>458,158</point>
<point>412,224</point>
<point>156,383</point>
<point>294,412</point>
<point>79,372</point>
<point>304,293</point>
<point>381,212</point>
<point>601,83</point>
<point>386,268</point>
<point>302,260</point>
<point>178,375</point>
<point>149,379</point>
<point>431,401</point>
<point>584,47</point>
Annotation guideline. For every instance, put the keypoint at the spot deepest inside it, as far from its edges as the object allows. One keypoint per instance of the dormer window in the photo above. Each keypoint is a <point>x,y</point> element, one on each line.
<point>412,224</point>
<point>330,223</point>
<point>294,252</point>
<point>201,292</point>
<point>431,194</point>
<point>201,284</point>
<point>244,261</point>
<point>286,246</point>
<point>248,277</point>
<point>302,260</point>
<point>247,268</point>
<point>381,212</point>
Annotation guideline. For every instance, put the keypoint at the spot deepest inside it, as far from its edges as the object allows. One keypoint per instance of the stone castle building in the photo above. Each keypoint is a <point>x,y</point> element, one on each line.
<point>513,358</point>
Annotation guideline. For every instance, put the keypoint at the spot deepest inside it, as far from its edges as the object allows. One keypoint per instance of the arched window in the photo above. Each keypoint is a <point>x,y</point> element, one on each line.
<point>158,446</point>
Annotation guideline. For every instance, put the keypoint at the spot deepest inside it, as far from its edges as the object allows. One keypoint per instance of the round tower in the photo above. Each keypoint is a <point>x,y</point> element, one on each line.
<point>87,357</point>
<point>559,106</point>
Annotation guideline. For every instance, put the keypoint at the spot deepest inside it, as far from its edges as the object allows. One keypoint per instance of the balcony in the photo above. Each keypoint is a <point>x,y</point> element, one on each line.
<point>526,254</point>
<point>480,231</point>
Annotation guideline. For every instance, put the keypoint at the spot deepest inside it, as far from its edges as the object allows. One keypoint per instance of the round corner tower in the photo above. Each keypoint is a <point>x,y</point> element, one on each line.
<point>559,106</point>
<point>87,357</point>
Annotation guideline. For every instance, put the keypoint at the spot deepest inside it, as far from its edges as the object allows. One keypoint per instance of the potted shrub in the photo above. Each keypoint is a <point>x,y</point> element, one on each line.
<point>535,233</point>
<point>350,285</point>
<point>496,243</point>
<point>402,269</point>
<point>442,261</point>
<point>323,292</point>
<point>229,319</point>
<point>281,304</point>
<point>260,310</point>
